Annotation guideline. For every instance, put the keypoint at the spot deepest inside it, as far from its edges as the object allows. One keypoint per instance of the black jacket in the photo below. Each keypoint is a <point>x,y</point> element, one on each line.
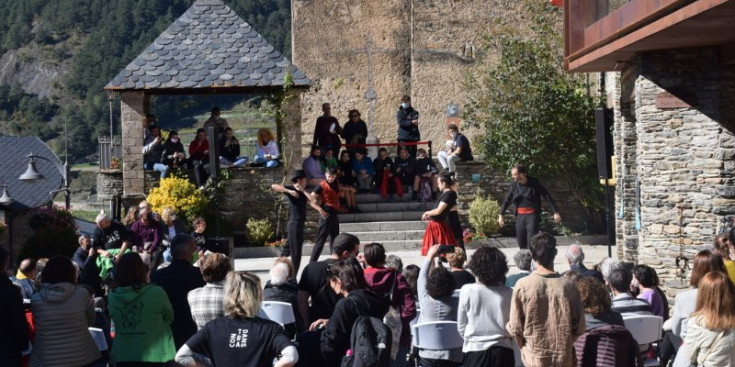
<point>13,326</point>
<point>286,292</point>
<point>169,149</point>
<point>230,152</point>
<point>407,130</point>
<point>528,195</point>
<point>178,279</point>
<point>89,273</point>
<point>355,132</point>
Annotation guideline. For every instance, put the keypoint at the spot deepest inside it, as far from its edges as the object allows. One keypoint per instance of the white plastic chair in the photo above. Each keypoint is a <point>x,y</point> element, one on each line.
<point>280,312</point>
<point>646,329</point>
<point>437,335</point>
<point>456,293</point>
<point>99,338</point>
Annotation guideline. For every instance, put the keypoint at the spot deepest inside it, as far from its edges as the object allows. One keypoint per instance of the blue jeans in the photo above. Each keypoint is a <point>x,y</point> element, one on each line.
<point>239,162</point>
<point>270,163</point>
<point>160,167</point>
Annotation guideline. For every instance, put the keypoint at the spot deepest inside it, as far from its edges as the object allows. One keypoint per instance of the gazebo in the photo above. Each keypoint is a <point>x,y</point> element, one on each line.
<point>209,49</point>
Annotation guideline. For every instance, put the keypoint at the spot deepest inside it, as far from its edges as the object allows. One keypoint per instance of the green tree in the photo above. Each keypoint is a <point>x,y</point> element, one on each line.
<point>531,110</point>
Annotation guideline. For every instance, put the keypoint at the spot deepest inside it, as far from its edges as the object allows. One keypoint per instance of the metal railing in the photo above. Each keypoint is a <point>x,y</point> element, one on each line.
<point>108,148</point>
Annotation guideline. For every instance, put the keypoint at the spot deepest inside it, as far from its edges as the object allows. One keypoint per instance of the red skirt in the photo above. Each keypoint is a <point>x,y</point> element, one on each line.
<point>437,233</point>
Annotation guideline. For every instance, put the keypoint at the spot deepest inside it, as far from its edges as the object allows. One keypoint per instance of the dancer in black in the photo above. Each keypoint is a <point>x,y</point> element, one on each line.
<point>297,199</point>
<point>525,194</point>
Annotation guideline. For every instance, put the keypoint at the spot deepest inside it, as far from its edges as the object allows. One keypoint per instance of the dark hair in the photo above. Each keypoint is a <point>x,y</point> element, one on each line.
<point>520,168</point>
<point>406,97</point>
<point>411,273</point>
<point>646,276</point>
<point>353,112</point>
<point>331,170</point>
<point>543,249</point>
<point>328,149</point>
<point>131,271</point>
<point>27,266</point>
<point>446,180</point>
<point>489,265</point>
<point>595,298</point>
<point>214,267</point>
<point>382,150</point>
<point>344,242</point>
<point>315,147</point>
<point>374,254</point>
<point>153,127</point>
<point>453,127</point>
<point>180,244</point>
<point>705,262</point>
<point>215,109</point>
<point>200,130</point>
<point>325,105</point>
<point>342,153</point>
<point>732,235</point>
<point>440,283</point>
<point>620,280</point>
<point>722,244</point>
<point>349,272</point>
<point>4,256</point>
<point>59,269</point>
<point>228,129</point>
<point>172,133</point>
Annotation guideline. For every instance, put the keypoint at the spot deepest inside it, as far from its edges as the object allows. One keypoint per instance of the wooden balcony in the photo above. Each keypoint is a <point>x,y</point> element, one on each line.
<point>602,35</point>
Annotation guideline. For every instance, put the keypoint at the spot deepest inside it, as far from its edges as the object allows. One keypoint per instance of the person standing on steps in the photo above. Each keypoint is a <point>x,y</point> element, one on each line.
<point>525,194</point>
<point>327,130</point>
<point>408,124</point>
<point>297,199</point>
<point>327,192</point>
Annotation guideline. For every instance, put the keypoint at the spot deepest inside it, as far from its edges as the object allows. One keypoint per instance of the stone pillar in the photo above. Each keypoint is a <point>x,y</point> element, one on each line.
<point>133,107</point>
<point>291,126</point>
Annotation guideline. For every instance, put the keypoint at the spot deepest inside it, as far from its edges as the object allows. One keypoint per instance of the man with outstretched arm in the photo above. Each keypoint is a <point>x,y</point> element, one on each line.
<point>297,198</point>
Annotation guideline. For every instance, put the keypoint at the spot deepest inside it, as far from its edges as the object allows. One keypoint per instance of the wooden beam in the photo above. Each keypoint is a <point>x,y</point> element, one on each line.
<point>727,54</point>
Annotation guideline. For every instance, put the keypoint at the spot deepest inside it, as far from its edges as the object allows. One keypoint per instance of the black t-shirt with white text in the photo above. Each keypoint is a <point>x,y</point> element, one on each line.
<point>450,198</point>
<point>314,281</point>
<point>297,206</point>
<point>111,237</point>
<point>249,342</point>
<point>200,239</point>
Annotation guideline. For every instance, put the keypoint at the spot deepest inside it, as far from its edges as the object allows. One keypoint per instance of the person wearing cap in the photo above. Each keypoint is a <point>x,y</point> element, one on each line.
<point>297,199</point>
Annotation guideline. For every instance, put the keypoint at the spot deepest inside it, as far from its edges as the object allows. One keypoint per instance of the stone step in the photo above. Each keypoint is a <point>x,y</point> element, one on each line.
<point>395,207</point>
<point>380,217</point>
<point>376,198</point>
<point>379,236</point>
<point>382,226</point>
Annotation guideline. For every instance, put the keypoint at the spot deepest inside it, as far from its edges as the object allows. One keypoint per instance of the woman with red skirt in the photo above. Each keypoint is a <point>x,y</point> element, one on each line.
<point>438,231</point>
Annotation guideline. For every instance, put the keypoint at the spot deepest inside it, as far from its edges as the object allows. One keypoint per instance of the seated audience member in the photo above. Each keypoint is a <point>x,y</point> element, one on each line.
<point>200,225</point>
<point>142,314</point>
<point>484,310</point>
<point>459,150</point>
<point>685,303</point>
<point>394,262</point>
<point>347,279</point>
<point>240,338</point>
<point>282,287</point>
<point>146,231</point>
<point>24,277</point>
<point>523,260</point>
<point>710,340</point>
<point>346,173</point>
<point>206,302</point>
<point>575,259</point>
<point>404,166</point>
<point>314,283</point>
<point>170,225</point>
<point>354,130</point>
<point>329,160</point>
<point>456,261</point>
<point>425,170</point>
<point>85,257</point>
<point>606,267</point>
<point>435,289</point>
<point>385,179</point>
<point>199,157</point>
<point>411,273</point>
<point>623,302</point>
<point>723,247</point>
<point>62,312</point>
<point>173,154</point>
<point>130,217</point>
<point>267,149</point>
<point>390,284</point>
<point>153,151</point>
<point>109,235</point>
<point>364,170</point>
<point>178,279</point>
<point>229,150</point>
<point>13,326</point>
<point>313,167</point>
<point>545,303</point>
<point>148,121</point>
<point>596,303</point>
<point>645,278</point>
<point>346,192</point>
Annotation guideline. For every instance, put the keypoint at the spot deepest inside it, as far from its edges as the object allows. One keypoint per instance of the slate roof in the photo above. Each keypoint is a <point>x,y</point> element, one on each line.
<point>14,163</point>
<point>209,46</point>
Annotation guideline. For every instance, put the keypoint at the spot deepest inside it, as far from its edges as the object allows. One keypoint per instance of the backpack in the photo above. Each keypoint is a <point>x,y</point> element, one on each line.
<point>370,344</point>
<point>425,190</point>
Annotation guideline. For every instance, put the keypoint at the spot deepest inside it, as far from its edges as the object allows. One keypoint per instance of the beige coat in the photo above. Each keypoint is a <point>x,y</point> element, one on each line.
<point>63,313</point>
<point>699,340</point>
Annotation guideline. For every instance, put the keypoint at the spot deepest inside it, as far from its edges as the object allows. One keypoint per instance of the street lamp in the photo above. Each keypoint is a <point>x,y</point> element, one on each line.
<point>5,199</point>
<point>32,175</point>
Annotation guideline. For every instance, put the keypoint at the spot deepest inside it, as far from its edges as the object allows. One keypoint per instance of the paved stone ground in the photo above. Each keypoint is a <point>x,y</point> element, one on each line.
<point>593,255</point>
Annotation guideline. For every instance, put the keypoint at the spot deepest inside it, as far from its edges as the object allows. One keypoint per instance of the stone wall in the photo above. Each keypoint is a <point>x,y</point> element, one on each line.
<point>247,195</point>
<point>683,158</point>
<point>109,183</point>
<point>133,106</point>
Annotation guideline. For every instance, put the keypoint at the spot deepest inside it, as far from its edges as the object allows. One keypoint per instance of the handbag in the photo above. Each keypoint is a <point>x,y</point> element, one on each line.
<point>694,356</point>
<point>393,320</point>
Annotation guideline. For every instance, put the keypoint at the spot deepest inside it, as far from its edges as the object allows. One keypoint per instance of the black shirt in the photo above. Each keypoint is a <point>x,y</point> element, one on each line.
<point>200,239</point>
<point>297,206</point>
<point>450,198</point>
<point>354,132</point>
<point>406,166</point>
<point>527,196</point>
<point>462,277</point>
<point>178,279</point>
<point>314,281</point>
<point>424,165</point>
<point>347,177</point>
<point>461,141</point>
<point>249,342</point>
<point>111,237</point>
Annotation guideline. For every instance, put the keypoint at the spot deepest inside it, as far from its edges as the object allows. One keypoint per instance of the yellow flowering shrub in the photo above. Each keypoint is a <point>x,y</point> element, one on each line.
<point>179,194</point>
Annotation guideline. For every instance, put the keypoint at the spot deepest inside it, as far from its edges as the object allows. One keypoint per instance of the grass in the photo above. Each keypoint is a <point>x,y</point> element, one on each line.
<point>88,215</point>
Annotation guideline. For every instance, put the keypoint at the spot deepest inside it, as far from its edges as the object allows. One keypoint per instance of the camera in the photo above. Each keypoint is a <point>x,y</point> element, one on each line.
<point>444,249</point>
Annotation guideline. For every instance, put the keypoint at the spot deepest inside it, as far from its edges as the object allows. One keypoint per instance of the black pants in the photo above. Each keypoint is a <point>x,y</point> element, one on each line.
<point>668,347</point>
<point>411,148</point>
<point>295,241</point>
<point>327,228</point>
<point>200,174</point>
<point>495,356</point>
<point>527,225</point>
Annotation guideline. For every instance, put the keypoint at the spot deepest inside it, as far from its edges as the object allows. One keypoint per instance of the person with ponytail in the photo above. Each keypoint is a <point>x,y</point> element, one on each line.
<point>437,230</point>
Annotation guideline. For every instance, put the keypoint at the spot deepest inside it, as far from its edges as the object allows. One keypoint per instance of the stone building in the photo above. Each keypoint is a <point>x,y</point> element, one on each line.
<point>670,77</point>
<point>356,49</point>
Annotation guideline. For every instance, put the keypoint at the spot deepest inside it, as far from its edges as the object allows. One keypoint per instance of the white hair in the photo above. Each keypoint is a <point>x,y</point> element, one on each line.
<point>607,265</point>
<point>279,273</point>
<point>574,254</point>
<point>101,217</point>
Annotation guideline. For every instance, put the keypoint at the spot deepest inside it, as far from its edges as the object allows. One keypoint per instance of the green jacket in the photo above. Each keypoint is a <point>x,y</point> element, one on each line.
<point>142,325</point>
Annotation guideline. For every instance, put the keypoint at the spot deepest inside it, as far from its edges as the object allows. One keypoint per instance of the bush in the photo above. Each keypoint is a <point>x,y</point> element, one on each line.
<point>54,233</point>
<point>181,195</point>
<point>259,231</point>
<point>484,215</point>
